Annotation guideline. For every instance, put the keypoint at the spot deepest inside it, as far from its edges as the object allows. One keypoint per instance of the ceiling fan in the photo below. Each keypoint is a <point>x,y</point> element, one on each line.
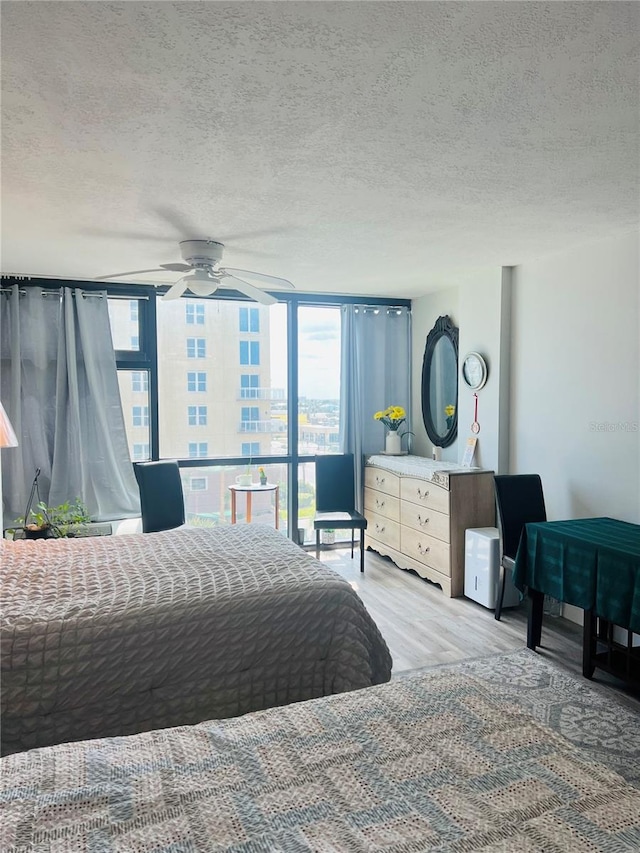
<point>203,274</point>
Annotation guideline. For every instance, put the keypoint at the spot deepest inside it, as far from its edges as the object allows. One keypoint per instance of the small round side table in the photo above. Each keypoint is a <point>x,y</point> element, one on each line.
<point>249,490</point>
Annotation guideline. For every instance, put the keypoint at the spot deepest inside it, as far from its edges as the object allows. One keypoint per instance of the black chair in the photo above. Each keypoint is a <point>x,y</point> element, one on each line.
<point>161,496</point>
<point>519,500</point>
<point>335,500</point>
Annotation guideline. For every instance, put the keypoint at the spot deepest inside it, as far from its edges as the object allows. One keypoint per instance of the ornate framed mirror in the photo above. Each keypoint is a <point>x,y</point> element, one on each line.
<point>440,383</point>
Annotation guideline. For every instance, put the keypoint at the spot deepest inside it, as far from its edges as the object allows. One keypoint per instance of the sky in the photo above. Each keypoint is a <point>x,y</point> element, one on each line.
<point>319,350</point>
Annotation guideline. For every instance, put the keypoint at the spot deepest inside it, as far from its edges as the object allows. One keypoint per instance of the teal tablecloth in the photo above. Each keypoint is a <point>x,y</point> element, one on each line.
<point>593,563</point>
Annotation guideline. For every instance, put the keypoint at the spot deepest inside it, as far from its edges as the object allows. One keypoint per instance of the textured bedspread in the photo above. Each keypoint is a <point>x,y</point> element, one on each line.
<point>115,635</point>
<point>445,761</point>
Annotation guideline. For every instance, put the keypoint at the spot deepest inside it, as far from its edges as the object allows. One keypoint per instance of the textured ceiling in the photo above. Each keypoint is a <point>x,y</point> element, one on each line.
<point>393,148</point>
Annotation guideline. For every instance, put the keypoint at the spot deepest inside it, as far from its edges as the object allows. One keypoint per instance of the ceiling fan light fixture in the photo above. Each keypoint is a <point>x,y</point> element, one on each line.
<point>200,283</point>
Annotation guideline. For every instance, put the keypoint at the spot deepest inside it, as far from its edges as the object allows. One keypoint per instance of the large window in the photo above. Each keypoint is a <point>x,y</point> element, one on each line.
<point>212,399</point>
<point>239,404</point>
<point>318,380</point>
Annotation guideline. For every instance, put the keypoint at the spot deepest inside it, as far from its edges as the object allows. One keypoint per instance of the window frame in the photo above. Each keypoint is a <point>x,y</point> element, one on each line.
<point>147,358</point>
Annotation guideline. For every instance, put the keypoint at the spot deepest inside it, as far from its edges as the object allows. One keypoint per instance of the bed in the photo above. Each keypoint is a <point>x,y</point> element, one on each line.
<point>114,635</point>
<point>455,759</point>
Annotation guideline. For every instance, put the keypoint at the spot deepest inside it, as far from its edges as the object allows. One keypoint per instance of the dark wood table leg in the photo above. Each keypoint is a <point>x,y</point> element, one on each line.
<point>589,642</point>
<point>534,620</point>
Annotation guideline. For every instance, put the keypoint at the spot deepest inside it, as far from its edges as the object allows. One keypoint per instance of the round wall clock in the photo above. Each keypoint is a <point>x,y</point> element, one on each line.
<point>474,370</point>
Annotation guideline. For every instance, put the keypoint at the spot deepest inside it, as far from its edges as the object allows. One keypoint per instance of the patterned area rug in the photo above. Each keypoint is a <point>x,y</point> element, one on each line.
<point>500,754</point>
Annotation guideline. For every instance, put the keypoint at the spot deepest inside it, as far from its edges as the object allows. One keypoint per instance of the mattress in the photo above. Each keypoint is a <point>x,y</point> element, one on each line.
<point>441,761</point>
<point>115,635</point>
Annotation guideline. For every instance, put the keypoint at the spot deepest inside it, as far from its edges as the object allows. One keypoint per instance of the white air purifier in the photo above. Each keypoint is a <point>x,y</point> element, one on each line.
<point>482,569</point>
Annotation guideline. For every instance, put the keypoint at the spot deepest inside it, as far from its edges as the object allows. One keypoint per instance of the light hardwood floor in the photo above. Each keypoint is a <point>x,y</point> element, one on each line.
<point>423,627</point>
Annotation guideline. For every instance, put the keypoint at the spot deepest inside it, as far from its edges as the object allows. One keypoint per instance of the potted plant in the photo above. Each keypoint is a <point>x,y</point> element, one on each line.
<point>328,536</point>
<point>55,522</point>
<point>263,476</point>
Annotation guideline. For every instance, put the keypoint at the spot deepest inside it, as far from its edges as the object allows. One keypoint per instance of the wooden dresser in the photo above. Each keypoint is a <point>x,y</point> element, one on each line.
<point>418,510</point>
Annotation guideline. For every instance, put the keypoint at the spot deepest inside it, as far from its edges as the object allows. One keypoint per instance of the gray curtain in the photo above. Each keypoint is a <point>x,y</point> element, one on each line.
<point>59,385</point>
<point>375,373</point>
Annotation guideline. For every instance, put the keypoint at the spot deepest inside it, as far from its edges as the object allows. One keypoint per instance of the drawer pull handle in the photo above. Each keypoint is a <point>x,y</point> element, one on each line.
<point>379,481</point>
<point>379,504</point>
<point>423,495</point>
<point>422,549</point>
<point>422,521</point>
<point>379,528</point>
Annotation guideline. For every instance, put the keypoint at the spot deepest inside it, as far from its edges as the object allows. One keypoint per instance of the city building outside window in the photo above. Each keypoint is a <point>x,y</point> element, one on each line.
<point>249,384</point>
<point>198,449</point>
<point>250,352</point>
<point>249,319</point>
<point>133,310</point>
<point>197,415</point>
<point>135,342</point>
<point>194,314</point>
<point>140,416</point>
<point>139,380</point>
<point>251,448</point>
<point>198,484</point>
<point>196,348</point>
<point>140,452</point>
<point>197,381</point>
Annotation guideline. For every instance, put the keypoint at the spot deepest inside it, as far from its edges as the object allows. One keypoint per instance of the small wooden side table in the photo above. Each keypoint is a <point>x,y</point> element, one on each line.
<point>249,490</point>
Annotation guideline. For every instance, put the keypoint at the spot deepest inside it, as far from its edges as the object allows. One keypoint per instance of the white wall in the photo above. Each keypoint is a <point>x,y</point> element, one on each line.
<point>424,313</point>
<point>575,387</point>
<point>484,324</point>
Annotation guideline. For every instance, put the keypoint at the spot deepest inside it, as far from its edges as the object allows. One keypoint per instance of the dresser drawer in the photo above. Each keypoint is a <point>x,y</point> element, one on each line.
<point>426,520</point>
<point>381,504</point>
<point>426,549</point>
<point>384,530</point>
<point>382,481</point>
<point>424,493</point>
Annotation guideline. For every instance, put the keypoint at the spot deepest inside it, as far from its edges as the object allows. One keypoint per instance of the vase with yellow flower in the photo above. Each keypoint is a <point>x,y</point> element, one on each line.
<point>393,417</point>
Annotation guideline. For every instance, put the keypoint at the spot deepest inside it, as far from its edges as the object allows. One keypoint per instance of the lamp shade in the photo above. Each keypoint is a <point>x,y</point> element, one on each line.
<point>7,435</point>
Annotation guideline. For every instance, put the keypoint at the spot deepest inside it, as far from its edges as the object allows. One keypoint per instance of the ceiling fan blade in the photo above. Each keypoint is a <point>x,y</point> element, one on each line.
<point>273,280</point>
<point>176,267</point>
<point>248,289</point>
<point>131,272</point>
<point>176,291</point>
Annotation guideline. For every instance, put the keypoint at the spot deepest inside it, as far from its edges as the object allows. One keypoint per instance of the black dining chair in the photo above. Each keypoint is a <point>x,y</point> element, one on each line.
<point>161,495</point>
<point>336,499</point>
<point>519,500</point>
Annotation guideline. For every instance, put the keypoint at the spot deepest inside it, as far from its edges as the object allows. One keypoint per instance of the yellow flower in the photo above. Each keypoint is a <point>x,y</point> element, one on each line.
<point>449,410</point>
<point>378,416</point>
